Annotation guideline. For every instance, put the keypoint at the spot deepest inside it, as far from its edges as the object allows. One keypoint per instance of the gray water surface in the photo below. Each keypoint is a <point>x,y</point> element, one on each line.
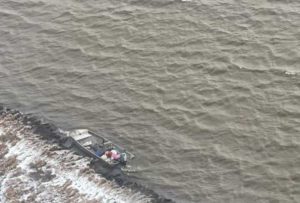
<point>206,94</point>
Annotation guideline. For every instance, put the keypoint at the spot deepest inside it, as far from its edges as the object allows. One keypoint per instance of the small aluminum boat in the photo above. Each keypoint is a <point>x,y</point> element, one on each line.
<point>95,146</point>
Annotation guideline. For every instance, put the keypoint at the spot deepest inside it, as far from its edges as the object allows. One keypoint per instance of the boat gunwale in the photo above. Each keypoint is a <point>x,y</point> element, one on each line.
<point>105,140</point>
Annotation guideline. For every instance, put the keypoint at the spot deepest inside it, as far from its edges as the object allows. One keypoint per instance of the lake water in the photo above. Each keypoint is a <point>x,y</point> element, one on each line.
<point>206,94</point>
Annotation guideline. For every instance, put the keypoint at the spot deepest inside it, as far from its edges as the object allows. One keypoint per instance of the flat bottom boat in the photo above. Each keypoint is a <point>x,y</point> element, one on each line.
<point>97,146</point>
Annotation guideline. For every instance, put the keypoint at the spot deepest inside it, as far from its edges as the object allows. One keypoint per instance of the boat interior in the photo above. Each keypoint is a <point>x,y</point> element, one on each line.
<point>93,142</point>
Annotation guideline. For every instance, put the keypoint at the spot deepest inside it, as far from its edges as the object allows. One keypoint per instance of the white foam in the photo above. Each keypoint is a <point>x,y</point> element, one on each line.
<point>1,131</point>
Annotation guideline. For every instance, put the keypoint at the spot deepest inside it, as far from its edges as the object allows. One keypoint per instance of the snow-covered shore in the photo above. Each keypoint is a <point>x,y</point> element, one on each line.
<point>36,170</point>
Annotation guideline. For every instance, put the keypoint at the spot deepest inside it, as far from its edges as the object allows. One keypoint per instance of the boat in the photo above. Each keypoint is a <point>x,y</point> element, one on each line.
<point>96,146</point>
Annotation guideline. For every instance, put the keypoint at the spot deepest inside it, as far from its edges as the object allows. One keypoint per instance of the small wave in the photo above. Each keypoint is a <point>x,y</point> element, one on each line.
<point>291,73</point>
<point>275,71</point>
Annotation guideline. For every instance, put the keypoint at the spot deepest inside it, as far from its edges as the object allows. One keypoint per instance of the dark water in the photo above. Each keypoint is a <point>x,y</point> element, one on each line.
<point>205,93</point>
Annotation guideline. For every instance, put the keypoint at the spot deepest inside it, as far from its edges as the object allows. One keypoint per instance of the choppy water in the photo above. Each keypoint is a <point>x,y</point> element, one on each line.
<point>205,93</point>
